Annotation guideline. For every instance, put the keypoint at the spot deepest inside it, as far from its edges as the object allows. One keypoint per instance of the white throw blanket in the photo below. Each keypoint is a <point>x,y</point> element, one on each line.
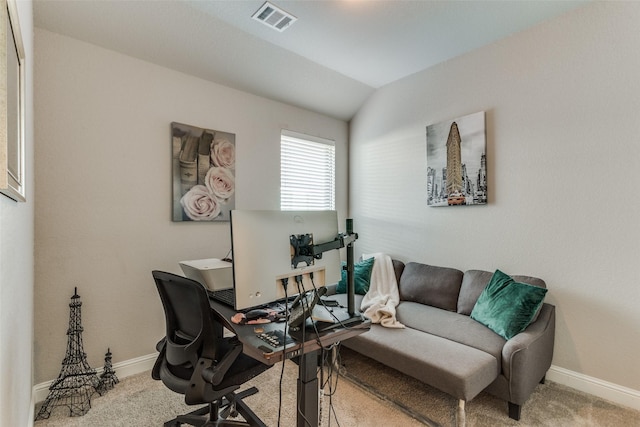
<point>379,303</point>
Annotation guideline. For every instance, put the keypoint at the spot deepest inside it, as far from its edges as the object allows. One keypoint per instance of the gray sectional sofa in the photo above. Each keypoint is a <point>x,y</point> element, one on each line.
<point>442,346</point>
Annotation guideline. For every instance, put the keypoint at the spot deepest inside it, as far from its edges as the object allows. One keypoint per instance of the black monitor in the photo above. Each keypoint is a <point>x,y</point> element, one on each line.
<point>269,246</point>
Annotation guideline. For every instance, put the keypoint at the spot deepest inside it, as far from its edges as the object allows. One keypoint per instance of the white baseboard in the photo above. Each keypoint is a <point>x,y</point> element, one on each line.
<point>123,369</point>
<point>602,389</point>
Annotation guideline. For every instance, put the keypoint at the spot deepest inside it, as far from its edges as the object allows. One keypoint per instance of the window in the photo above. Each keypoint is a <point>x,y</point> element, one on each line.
<point>307,172</point>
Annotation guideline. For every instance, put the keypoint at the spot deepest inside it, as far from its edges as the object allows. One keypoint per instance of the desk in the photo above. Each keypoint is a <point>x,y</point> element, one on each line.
<point>305,353</point>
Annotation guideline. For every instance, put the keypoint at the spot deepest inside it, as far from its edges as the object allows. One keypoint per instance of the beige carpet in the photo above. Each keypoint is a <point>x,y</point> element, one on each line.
<point>551,404</point>
<point>387,399</point>
<point>139,401</point>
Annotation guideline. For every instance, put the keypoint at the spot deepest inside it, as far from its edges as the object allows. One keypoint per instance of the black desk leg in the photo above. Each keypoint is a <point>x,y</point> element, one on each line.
<point>308,390</point>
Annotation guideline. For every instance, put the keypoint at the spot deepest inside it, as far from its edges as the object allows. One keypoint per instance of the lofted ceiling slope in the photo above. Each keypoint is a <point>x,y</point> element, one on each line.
<point>330,60</point>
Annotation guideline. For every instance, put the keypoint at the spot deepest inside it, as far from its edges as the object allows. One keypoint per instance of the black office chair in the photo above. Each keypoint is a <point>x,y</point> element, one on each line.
<point>197,361</point>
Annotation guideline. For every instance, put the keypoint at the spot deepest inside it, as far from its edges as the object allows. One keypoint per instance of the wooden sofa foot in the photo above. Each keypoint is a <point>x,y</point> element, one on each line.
<point>543,379</point>
<point>461,415</point>
<point>514,411</point>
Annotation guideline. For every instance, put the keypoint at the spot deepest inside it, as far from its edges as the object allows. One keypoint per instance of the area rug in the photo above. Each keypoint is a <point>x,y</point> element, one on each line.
<point>551,404</point>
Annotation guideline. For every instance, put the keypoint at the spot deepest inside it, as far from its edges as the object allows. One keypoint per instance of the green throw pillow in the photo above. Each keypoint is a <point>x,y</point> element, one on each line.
<point>506,306</point>
<point>361,277</point>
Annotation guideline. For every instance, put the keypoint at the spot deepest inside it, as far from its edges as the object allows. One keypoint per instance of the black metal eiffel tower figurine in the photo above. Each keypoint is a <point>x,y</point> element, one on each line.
<point>108,378</point>
<point>77,381</point>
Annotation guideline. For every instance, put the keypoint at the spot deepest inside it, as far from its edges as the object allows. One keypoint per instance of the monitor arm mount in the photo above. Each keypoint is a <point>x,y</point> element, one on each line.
<point>305,251</point>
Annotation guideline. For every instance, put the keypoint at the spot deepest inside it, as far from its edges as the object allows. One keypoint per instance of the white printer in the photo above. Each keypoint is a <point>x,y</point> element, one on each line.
<point>215,274</point>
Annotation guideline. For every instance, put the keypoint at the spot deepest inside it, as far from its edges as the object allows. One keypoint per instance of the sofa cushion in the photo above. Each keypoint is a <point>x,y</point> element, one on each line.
<point>452,326</point>
<point>427,284</point>
<point>506,306</point>
<point>398,268</point>
<point>474,282</point>
<point>361,277</point>
<point>454,368</point>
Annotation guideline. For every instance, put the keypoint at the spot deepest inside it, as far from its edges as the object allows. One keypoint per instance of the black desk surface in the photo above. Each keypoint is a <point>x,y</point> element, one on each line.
<point>255,347</point>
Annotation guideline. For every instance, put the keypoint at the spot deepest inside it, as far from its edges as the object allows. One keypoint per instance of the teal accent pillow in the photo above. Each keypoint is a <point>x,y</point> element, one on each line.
<point>506,306</point>
<point>361,277</point>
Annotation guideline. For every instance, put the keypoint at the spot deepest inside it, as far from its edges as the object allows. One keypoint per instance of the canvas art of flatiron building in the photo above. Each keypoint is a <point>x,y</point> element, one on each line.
<point>454,187</point>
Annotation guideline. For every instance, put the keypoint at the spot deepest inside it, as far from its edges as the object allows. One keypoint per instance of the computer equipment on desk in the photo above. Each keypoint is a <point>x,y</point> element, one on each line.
<point>326,318</point>
<point>266,253</point>
<point>275,338</point>
<point>215,274</point>
<point>302,308</point>
<point>225,296</point>
<point>327,302</point>
<point>257,313</point>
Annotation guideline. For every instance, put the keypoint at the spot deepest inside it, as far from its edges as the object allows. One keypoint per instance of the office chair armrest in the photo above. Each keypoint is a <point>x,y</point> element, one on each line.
<point>161,347</point>
<point>214,375</point>
<point>224,321</point>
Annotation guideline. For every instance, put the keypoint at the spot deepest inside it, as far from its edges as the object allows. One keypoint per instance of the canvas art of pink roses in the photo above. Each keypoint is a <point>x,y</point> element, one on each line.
<point>199,204</point>
<point>223,153</point>
<point>204,173</point>
<point>220,182</point>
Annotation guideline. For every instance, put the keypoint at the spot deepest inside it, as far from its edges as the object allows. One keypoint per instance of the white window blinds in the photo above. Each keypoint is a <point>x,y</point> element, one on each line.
<point>307,172</point>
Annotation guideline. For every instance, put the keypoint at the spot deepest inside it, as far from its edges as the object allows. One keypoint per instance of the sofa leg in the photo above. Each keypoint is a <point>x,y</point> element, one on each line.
<point>461,416</point>
<point>543,379</point>
<point>514,411</point>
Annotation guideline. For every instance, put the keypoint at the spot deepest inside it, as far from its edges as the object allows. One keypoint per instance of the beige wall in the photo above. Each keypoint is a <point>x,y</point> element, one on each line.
<point>103,217</point>
<point>563,154</point>
<point>16,268</point>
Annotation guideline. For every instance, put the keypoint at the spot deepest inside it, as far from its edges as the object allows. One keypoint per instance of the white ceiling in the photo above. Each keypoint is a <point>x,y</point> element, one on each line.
<point>330,60</point>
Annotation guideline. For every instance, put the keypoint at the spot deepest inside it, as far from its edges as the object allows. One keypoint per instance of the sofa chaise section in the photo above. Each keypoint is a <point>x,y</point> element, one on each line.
<point>442,346</point>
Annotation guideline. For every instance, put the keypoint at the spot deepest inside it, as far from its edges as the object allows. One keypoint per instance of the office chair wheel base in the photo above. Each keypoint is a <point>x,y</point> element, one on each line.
<point>228,412</point>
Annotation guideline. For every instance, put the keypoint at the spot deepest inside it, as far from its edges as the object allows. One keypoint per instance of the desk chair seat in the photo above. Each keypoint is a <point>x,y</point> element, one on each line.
<point>197,361</point>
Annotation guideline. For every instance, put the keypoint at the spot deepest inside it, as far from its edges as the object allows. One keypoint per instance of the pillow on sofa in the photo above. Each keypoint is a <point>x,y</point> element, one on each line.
<point>474,282</point>
<point>361,277</point>
<point>430,285</point>
<point>507,307</point>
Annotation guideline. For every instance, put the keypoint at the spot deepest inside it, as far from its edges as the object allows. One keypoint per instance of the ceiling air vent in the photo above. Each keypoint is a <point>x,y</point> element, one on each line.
<point>274,17</point>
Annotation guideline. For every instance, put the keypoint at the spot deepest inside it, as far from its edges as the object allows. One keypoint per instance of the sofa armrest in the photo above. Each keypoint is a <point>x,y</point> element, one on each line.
<point>526,358</point>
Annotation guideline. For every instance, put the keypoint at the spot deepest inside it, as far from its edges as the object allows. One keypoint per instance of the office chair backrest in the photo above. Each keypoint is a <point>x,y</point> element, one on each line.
<point>196,360</point>
<point>190,331</point>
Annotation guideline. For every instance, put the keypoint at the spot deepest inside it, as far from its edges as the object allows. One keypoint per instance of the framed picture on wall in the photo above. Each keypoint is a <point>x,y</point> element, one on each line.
<point>12,109</point>
<point>457,162</point>
<point>204,165</point>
